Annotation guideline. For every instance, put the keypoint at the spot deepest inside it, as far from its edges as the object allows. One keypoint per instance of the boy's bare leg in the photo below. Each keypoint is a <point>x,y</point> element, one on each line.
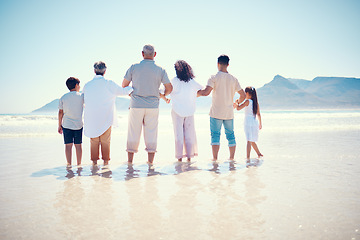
<point>189,159</point>
<point>180,159</point>
<point>151,156</point>
<point>248,149</point>
<point>256,149</point>
<point>130,157</point>
<point>68,153</point>
<point>232,152</point>
<point>78,148</point>
<point>215,151</point>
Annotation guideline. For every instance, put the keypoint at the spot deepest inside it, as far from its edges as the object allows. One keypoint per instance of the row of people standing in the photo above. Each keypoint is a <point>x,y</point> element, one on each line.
<point>145,79</point>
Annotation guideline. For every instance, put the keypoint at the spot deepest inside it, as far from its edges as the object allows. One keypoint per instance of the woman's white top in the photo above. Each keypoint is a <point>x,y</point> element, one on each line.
<point>183,96</point>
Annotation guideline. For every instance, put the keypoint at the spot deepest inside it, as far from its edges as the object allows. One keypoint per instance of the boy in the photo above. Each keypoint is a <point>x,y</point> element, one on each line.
<point>70,119</point>
<point>221,113</point>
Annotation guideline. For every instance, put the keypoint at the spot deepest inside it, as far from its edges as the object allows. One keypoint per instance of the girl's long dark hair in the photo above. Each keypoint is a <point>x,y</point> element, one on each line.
<point>252,92</point>
<point>183,71</point>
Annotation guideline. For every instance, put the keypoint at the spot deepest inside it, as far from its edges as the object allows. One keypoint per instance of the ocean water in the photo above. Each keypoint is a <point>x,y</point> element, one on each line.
<point>305,187</point>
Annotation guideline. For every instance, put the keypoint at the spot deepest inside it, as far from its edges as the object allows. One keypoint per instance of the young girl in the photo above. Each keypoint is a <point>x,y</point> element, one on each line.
<point>251,125</point>
<point>183,99</point>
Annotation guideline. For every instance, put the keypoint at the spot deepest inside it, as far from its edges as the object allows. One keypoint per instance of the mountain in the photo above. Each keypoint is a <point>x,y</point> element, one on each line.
<point>280,93</point>
<point>321,92</point>
<point>48,108</point>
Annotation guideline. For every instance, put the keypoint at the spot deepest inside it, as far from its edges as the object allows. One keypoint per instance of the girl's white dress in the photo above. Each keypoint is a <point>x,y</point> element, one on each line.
<point>251,124</point>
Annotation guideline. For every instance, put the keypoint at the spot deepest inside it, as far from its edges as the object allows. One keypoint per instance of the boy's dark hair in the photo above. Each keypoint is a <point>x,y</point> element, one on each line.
<point>183,71</point>
<point>223,60</point>
<point>71,82</point>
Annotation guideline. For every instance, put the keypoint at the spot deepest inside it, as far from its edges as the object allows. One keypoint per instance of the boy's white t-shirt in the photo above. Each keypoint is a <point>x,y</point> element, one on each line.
<point>72,104</point>
<point>183,96</point>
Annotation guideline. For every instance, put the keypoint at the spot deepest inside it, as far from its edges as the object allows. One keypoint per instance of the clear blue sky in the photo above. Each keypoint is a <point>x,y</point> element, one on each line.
<point>44,42</point>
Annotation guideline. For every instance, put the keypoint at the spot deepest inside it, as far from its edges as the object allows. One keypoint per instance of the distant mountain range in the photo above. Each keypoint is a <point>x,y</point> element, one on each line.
<point>280,93</point>
<point>321,92</point>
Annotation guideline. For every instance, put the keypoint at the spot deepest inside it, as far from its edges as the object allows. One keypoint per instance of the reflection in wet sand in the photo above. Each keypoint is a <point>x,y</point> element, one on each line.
<point>87,210</point>
<point>145,219</point>
<point>233,215</point>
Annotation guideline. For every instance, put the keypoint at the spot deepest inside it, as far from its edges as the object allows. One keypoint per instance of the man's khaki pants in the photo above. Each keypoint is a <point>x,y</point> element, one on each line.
<point>139,117</point>
<point>103,141</point>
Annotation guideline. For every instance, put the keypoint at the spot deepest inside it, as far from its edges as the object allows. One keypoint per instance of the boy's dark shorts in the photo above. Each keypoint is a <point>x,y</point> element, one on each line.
<point>72,136</point>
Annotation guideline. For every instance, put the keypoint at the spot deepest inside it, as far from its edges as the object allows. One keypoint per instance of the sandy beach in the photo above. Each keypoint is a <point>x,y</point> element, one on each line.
<point>306,186</point>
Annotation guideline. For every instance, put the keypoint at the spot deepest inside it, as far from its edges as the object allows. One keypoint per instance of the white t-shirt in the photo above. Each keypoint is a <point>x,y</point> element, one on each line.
<point>183,96</point>
<point>99,99</point>
<point>72,104</point>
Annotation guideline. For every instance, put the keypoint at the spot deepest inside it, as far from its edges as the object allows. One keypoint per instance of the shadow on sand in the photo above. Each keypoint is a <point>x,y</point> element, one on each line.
<point>127,172</point>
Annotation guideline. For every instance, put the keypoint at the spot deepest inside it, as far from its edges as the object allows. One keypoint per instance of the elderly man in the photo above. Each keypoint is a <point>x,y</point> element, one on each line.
<point>99,112</point>
<point>146,78</point>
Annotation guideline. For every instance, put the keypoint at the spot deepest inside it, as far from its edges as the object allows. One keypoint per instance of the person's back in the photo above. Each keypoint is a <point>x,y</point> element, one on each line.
<point>223,85</point>
<point>146,78</point>
<point>70,119</point>
<point>183,96</point>
<point>99,115</point>
<point>99,98</point>
<point>72,105</point>
<point>224,88</point>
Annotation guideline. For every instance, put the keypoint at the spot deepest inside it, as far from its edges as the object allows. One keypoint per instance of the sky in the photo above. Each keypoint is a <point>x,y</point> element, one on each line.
<point>43,43</point>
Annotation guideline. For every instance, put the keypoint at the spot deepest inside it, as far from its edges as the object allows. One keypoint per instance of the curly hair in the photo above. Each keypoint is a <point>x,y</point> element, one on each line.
<point>183,71</point>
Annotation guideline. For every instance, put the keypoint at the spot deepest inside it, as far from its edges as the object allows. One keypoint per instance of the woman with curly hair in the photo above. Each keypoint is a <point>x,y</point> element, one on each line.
<point>183,98</point>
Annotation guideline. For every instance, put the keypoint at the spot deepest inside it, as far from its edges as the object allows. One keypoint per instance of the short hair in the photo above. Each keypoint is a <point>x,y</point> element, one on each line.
<point>100,68</point>
<point>149,50</point>
<point>183,71</point>
<point>71,82</point>
<point>223,60</point>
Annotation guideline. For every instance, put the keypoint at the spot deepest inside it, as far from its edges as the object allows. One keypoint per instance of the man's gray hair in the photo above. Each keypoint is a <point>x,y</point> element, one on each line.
<point>149,50</point>
<point>99,67</point>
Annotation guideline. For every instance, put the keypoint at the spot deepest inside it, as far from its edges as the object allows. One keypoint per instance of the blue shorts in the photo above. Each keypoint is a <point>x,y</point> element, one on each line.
<point>72,136</point>
<point>215,129</point>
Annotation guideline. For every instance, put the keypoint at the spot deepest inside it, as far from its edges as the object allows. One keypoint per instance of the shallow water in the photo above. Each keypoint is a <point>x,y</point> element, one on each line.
<point>306,186</point>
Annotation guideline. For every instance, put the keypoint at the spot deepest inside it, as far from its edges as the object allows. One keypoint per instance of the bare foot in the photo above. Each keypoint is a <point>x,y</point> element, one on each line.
<point>106,162</point>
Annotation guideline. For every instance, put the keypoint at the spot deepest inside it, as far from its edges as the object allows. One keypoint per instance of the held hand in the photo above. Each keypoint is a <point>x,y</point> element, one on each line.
<point>167,100</point>
<point>235,105</point>
<point>237,101</point>
<point>60,130</point>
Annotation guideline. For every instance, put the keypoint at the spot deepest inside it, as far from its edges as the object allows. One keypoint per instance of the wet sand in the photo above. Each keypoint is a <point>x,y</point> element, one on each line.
<point>306,187</point>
